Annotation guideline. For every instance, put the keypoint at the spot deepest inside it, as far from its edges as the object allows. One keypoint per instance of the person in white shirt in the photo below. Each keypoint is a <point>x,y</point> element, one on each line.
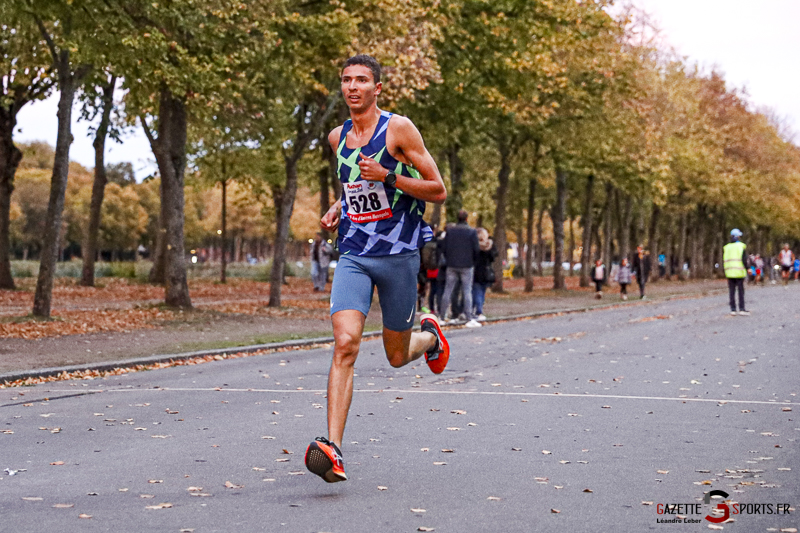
<point>786,260</point>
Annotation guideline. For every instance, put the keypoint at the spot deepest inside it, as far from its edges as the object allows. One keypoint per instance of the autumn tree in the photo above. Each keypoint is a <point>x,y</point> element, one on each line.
<point>25,68</point>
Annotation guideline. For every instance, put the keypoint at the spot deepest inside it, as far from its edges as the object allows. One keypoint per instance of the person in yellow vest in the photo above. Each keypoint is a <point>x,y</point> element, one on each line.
<point>734,258</point>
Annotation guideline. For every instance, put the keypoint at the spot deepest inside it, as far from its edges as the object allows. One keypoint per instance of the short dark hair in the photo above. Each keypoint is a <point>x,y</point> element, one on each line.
<point>367,61</point>
<point>463,216</point>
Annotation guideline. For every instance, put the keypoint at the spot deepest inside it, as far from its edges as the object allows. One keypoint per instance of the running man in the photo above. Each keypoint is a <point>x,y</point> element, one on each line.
<point>387,176</point>
<point>786,260</point>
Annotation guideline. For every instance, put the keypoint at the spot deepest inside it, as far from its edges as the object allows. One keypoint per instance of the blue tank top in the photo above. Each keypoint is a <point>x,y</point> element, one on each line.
<point>377,219</point>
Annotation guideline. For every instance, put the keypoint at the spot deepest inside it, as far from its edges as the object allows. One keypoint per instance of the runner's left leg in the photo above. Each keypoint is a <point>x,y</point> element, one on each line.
<point>402,347</point>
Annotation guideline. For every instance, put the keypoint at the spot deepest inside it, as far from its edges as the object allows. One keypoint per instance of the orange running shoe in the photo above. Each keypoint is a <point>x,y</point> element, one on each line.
<point>437,356</point>
<point>325,460</point>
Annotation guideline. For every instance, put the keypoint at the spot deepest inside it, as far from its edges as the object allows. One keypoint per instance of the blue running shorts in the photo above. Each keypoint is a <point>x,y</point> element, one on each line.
<point>395,276</point>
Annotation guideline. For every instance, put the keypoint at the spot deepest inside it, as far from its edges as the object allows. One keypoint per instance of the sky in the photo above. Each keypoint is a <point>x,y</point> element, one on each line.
<point>756,44</point>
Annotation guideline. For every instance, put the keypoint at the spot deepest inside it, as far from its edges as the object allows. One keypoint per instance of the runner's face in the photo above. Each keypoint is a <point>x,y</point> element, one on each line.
<point>358,87</point>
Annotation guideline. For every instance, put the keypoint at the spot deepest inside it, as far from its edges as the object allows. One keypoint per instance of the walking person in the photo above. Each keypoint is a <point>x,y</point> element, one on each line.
<point>429,257</point>
<point>641,268</point>
<point>381,156</point>
<point>484,273</point>
<point>734,258</point>
<point>461,251</point>
<point>321,253</point>
<point>599,277</point>
<point>624,278</point>
<point>786,260</point>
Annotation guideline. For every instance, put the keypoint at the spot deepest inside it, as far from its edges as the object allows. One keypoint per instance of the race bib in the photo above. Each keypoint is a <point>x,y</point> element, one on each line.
<point>366,201</point>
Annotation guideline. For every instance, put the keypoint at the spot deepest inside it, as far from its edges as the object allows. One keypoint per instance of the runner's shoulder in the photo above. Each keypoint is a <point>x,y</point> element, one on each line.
<point>401,131</point>
<point>334,137</point>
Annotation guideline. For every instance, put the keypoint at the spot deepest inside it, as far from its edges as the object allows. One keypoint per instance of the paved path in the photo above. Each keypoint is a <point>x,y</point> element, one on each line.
<point>655,403</point>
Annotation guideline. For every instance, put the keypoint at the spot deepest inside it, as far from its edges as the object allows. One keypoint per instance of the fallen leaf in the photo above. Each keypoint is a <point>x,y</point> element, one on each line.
<point>297,473</point>
<point>453,429</point>
<point>146,496</point>
<point>458,412</point>
<point>57,463</point>
<point>541,479</point>
<point>448,450</point>
<point>786,409</point>
<point>715,527</point>
<point>423,449</point>
<point>281,460</point>
<point>588,490</point>
<point>472,424</point>
<point>84,515</point>
<point>380,487</point>
<point>564,462</point>
<point>662,471</point>
<point>516,449</point>
<point>647,503</point>
<point>493,498</point>
<point>257,469</point>
<point>287,452</point>
<point>195,489</point>
<point>423,528</point>
<point>554,511</point>
<point>63,505</point>
<point>159,506</point>
<point>268,437</point>
<point>32,498</point>
<point>154,481</point>
<point>546,452</point>
<point>123,490</point>
<point>415,510</point>
<point>230,485</point>
<point>439,463</point>
<point>606,407</point>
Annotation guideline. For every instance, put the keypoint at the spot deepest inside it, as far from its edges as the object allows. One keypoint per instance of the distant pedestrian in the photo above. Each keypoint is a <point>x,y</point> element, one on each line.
<point>484,273</point>
<point>641,268</point>
<point>624,278</point>
<point>734,258</point>
<point>662,265</point>
<point>786,260</point>
<point>599,277</point>
<point>460,255</point>
<point>429,264</point>
<point>321,253</point>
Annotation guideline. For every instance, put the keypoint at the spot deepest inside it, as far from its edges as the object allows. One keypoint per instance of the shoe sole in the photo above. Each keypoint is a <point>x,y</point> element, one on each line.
<point>438,365</point>
<point>318,462</point>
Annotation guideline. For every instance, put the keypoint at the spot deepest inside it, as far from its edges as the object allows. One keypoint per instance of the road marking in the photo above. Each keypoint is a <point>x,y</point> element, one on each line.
<point>476,393</point>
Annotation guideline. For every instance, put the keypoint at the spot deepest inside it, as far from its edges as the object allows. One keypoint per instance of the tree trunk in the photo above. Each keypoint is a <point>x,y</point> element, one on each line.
<point>529,235</point>
<point>588,226</point>
<point>170,152</point>
<point>89,251</point>
<point>571,254</point>
<point>652,241</point>
<point>157,271</point>
<point>626,218</point>
<point>454,200</point>
<point>540,244</point>
<point>323,178</point>
<point>608,226</point>
<point>10,156</point>
<point>284,204</point>
<point>67,84</point>
<point>500,215</point>
<point>682,246</point>
<point>557,215</point>
<point>223,271</point>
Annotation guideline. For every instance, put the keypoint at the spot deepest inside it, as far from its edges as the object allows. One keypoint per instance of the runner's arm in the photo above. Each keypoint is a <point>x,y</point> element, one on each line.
<point>404,138</point>
<point>330,220</point>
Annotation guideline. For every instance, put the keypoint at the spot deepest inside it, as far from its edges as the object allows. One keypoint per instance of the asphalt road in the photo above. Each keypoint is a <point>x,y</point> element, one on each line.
<point>601,416</point>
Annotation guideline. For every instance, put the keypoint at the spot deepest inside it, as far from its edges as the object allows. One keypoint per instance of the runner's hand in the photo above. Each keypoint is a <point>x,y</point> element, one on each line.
<point>330,221</point>
<point>371,170</point>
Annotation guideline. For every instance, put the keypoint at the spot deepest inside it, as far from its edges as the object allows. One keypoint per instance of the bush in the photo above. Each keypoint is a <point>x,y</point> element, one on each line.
<point>24,269</point>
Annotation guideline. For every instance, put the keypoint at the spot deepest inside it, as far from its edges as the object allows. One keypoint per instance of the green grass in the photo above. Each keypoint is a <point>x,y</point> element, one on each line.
<point>140,270</point>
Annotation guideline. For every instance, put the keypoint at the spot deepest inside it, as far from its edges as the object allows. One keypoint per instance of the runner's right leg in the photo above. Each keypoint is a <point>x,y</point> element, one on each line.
<point>348,326</point>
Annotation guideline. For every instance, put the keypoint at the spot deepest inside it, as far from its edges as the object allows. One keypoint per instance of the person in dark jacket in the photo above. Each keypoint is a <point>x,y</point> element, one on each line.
<point>484,273</point>
<point>641,267</point>
<point>461,252</point>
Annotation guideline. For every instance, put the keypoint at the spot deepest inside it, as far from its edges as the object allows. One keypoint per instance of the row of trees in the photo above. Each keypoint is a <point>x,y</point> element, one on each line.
<point>129,213</point>
<point>531,109</point>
